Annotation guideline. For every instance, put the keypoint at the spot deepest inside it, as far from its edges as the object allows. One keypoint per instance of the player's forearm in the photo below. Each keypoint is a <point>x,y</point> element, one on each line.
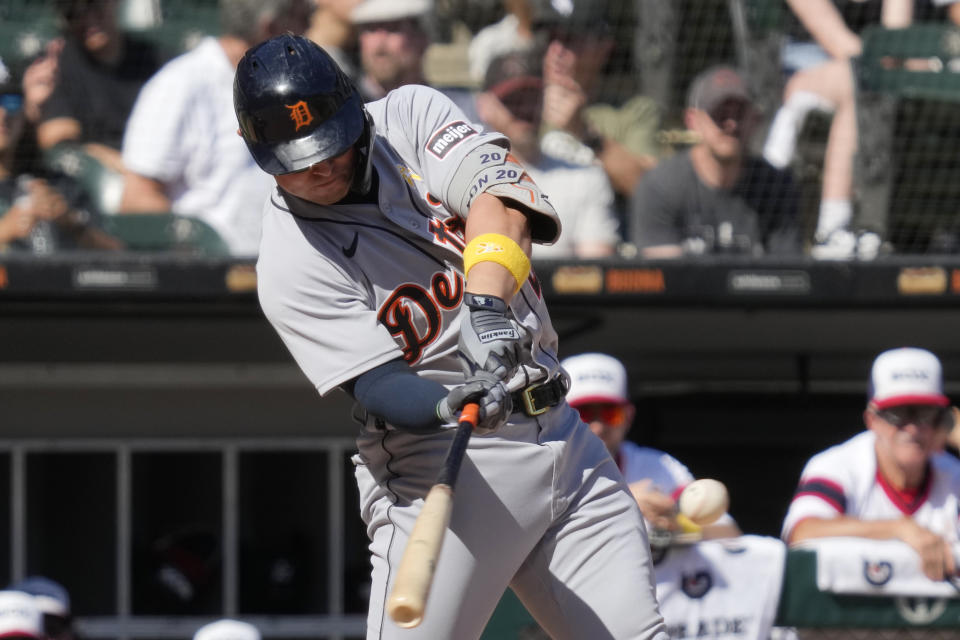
<point>489,214</point>
<point>395,393</point>
<point>824,22</point>
<point>845,526</point>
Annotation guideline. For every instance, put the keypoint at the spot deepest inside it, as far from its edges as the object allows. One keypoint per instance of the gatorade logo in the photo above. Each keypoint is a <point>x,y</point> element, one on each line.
<point>449,136</point>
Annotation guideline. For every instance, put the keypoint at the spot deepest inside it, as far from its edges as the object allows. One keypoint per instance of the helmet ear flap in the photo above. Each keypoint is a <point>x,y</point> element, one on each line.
<point>363,175</point>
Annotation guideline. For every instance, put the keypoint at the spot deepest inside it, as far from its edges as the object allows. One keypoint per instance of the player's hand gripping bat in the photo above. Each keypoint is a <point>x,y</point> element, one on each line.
<point>408,599</point>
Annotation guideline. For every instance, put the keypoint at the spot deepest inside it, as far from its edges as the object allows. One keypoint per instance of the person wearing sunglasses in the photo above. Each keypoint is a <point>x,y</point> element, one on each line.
<point>892,481</point>
<point>579,124</point>
<point>704,577</point>
<point>511,102</point>
<point>716,198</point>
<point>598,391</point>
<point>39,214</point>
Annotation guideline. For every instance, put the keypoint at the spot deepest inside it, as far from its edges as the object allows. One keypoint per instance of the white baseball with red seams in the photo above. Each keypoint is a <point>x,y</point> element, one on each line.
<point>704,501</point>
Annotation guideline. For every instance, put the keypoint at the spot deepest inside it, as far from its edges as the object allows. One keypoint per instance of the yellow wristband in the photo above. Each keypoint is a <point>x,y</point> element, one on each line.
<point>495,247</point>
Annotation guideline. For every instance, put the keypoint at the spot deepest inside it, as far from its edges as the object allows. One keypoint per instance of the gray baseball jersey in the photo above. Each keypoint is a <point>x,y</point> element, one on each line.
<point>540,504</point>
<point>388,281</point>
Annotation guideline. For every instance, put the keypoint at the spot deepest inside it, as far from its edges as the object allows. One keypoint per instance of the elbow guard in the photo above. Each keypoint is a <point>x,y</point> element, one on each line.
<point>493,169</point>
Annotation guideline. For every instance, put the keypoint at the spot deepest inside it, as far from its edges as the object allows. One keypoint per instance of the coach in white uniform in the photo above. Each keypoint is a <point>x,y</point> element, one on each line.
<point>712,582</point>
<point>893,481</point>
<point>394,265</point>
<point>181,146</point>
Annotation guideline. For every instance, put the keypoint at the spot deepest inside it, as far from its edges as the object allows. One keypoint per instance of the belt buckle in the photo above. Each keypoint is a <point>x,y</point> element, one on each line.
<point>528,404</point>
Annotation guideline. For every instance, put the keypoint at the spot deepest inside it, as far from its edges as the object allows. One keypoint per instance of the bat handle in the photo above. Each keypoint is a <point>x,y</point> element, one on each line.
<point>451,465</point>
<point>470,413</point>
<point>408,598</point>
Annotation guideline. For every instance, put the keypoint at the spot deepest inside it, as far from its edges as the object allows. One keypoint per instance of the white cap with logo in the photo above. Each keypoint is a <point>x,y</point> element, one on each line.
<point>227,629</point>
<point>907,376</point>
<point>389,10</point>
<point>595,378</point>
<point>20,617</point>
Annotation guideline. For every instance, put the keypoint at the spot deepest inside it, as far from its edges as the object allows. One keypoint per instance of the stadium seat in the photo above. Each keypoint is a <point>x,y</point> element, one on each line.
<point>182,25</point>
<point>103,185</point>
<point>165,232</point>
<point>25,28</point>
<point>907,175</point>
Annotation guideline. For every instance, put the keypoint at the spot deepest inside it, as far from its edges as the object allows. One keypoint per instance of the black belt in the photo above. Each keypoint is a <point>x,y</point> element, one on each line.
<point>539,397</point>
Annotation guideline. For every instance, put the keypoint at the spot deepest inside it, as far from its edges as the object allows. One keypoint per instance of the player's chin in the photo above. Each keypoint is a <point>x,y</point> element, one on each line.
<point>330,191</point>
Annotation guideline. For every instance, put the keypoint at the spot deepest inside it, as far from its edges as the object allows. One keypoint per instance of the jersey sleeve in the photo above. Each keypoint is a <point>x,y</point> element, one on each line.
<point>821,492</point>
<point>458,159</point>
<point>324,315</point>
<point>154,138</point>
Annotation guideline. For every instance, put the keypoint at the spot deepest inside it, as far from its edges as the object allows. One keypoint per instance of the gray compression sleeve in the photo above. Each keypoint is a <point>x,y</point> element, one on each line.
<point>395,393</point>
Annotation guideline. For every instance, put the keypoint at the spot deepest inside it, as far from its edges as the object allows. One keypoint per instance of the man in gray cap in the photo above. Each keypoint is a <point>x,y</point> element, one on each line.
<point>715,198</point>
<point>393,39</point>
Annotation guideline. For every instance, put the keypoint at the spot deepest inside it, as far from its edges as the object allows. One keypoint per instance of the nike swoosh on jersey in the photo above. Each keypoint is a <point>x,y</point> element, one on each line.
<point>352,249</point>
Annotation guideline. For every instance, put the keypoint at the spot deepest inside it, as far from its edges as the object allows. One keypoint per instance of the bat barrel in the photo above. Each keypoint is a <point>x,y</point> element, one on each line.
<point>408,598</point>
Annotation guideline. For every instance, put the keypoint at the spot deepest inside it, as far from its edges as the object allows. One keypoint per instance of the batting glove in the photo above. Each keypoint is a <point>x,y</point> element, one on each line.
<point>495,401</point>
<point>489,341</point>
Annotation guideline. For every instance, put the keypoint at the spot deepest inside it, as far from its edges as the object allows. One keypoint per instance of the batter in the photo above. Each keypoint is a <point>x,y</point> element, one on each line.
<point>362,273</point>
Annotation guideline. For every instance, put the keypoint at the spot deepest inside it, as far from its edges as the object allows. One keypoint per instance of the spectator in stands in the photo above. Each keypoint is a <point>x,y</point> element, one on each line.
<point>53,600</point>
<point>20,618</point>
<point>181,147</point>
<point>39,81</point>
<point>332,28</point>
<point>699,580</point>
<point>100,71</point>
<point>598,390</point>
<point>823,79</point>
<point>393,39</point>
<point>227,629</point>
<point>892,481</point>
<point>39,214</point>
<point>511,102</point>
<point>514,32</point>
<point>715,198</point>
<point>623,138</point>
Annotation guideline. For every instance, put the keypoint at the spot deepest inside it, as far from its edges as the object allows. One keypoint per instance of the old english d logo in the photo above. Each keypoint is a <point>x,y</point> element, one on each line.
<point>696,585</point>
<point>877,573</point>
<point>300,114</point>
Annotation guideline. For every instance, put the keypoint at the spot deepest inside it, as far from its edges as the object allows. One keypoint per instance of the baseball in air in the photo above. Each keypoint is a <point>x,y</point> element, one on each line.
<point>704,501</point>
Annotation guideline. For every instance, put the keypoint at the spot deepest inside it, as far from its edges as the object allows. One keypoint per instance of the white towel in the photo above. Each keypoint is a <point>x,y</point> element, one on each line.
<point>874,567</point>
<point>720,589</point>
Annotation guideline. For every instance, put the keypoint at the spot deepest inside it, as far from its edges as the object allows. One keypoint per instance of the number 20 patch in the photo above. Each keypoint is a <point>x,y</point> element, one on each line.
<point>449,136</point>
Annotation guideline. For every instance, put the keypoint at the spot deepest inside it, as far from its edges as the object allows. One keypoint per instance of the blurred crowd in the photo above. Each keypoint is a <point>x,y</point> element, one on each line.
<point>115,113</point>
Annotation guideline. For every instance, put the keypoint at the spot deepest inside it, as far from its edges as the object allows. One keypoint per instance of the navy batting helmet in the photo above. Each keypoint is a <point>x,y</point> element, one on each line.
<point>297,108</point>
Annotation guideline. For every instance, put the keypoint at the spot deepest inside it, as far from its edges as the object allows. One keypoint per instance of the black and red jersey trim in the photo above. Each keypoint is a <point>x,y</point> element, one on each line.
<point>825,489</point>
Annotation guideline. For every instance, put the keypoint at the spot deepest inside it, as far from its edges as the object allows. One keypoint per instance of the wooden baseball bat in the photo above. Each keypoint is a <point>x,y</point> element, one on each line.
<point>408,599</point>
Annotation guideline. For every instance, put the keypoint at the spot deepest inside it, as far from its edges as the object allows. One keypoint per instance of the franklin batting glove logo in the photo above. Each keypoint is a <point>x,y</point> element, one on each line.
<point>449,136</point>
<point>498,334</point>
